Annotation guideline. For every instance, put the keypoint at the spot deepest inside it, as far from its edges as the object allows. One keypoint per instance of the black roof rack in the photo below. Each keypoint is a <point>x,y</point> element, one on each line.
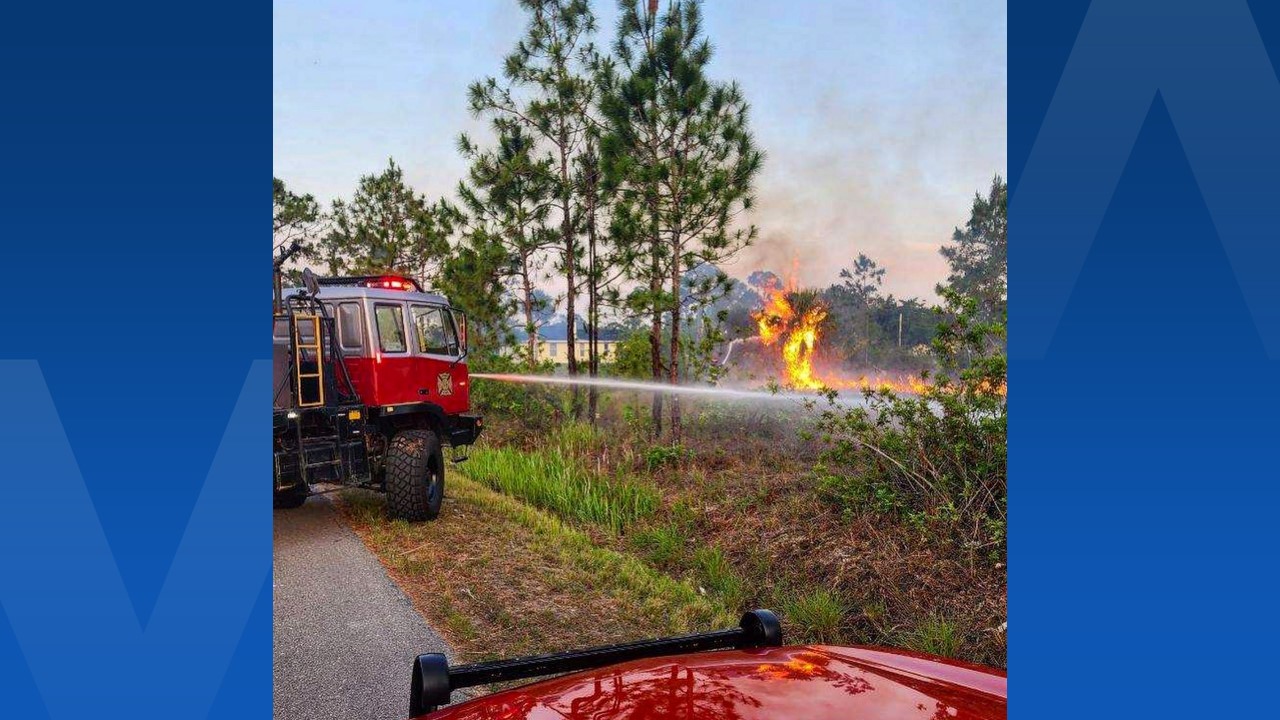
<point>433,679</point>
<point>364,280</point>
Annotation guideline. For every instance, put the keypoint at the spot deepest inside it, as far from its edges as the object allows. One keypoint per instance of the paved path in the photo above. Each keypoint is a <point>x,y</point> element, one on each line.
<point>345,635</point>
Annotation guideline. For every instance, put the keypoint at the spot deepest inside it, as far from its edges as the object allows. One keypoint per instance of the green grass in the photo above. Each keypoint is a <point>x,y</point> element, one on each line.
<point>662,546</point>
<point>446,578</point>
<point>662,599</point>
<point>935,636</point>
<point>554,481</point>
<point>575,439</point>
<point>815,616</point>
<point>719,577</point>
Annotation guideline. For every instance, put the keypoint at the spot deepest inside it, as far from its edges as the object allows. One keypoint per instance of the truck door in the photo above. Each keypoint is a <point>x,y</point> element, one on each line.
<point>437,351</point>
<point>349,318</point>
<point>394,372</point>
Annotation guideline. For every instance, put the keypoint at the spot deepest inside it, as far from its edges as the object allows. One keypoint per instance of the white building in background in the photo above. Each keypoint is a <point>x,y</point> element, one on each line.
<point>557,351</point>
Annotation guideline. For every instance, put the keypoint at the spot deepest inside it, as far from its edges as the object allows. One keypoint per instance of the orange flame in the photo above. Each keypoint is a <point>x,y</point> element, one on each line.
<point>798,332</point>
<point>779,322</point>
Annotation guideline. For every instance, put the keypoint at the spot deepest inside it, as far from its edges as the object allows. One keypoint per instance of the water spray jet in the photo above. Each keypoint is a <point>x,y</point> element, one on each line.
<point>644,386</point>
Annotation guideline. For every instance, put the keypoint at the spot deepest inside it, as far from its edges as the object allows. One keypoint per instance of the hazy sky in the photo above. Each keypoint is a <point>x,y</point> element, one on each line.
<point>880,119</point>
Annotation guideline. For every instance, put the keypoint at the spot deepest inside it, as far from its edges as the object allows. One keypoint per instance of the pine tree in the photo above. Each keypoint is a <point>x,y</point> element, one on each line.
<point>604,260</point>
<point>863,285</point>
<point>548,90</point>
<point>388,227</point>
<point>978,255</point>
<point>679,145</point>
<point>508,197</point>
<point>294,218</point>
<point>594,194</point>
<point>473,277</point>
<point>297,225</point>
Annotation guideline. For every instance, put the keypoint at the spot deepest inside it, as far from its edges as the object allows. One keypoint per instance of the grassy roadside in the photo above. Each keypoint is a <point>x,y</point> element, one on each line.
<point>501,578</point>
<point>743,516</point>
<point>574,537</point>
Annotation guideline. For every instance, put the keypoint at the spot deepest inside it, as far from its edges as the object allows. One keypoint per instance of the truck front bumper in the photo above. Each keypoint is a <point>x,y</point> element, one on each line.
<point>464,430</point>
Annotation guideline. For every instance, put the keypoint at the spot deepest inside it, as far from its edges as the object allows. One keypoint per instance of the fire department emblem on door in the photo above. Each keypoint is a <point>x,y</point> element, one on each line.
<point>444,384</point>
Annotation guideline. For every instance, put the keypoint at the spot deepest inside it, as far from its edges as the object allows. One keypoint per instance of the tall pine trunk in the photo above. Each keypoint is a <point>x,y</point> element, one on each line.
<point>655,330</point>
<point>570,261</point>
<point>674,368</point>
<point>527,287</point>
<point>593,300</point>
<point>570,264</point>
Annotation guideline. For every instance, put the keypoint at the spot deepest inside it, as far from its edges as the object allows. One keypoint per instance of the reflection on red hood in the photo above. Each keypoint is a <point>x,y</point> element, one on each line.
<point>789,682</point>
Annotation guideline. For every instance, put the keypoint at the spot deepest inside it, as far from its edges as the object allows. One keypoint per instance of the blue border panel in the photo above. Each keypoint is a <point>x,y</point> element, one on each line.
<point>1144,160</point>
<point>135,520</point>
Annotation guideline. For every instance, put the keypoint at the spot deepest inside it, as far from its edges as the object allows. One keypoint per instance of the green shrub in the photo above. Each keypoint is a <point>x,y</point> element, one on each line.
<point>537,406</point>
<point>937,459</point>
<point>935,636</point>
<point>817,616</point>
<point>719,577</point>
<point>660,456</point>
<point>632,357</point>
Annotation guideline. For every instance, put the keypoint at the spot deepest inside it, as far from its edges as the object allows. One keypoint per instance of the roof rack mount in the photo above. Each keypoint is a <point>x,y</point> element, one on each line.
<point>433,679</point>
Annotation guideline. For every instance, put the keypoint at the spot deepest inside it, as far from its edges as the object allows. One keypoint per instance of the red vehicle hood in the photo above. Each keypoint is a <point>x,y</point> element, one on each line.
<point>788,682</point>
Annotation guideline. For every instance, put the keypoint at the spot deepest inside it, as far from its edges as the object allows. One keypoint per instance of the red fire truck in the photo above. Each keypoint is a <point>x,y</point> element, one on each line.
<point>370,385</point>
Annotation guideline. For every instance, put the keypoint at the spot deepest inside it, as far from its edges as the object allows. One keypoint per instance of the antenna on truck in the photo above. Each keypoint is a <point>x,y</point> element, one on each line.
<point>277,281</point>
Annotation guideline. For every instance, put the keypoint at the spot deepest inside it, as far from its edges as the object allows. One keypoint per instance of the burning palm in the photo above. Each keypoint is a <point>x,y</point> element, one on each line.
<point>792,317</point>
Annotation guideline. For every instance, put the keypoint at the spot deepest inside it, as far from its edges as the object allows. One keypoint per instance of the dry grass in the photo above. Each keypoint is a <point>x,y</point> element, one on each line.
<point>861,578</point>
<point>740,524</point>
<point>743,519</point>
<point>500,578</point>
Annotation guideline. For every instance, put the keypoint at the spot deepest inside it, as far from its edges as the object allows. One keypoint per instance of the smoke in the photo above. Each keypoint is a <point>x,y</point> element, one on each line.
<point>874,190</point>
<point>876,140</point>
<point>879,120</point>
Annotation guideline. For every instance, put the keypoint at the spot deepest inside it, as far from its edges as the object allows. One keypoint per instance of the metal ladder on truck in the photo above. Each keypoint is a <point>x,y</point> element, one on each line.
<point>329,416</point>
<point>308,386</point>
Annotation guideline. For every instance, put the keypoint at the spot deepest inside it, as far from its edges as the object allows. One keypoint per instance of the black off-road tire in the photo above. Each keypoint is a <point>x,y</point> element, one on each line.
<point>290,498</point>
<point>415,476</point>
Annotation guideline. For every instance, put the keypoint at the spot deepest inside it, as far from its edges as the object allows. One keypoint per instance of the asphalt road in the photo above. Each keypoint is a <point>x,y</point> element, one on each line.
<point>344,634</point>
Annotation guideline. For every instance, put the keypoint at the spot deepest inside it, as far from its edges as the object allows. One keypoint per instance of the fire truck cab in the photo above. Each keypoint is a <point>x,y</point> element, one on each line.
<point>371,384</point>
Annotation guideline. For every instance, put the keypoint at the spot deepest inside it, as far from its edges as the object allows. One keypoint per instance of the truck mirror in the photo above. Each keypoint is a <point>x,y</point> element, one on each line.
<point>460,326</point>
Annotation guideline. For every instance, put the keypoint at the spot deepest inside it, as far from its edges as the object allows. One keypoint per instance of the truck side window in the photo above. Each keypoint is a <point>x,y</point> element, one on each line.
<point>435,334</point>
<point>350,330</point>
<point>390,323</point>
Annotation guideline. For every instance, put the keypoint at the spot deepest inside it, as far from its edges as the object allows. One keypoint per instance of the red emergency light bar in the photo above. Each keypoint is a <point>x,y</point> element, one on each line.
<point>382,282</point>
<point>391,282</point>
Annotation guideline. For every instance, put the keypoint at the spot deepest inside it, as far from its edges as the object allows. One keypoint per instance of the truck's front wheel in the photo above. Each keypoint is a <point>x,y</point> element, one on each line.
<point>415,476</point>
